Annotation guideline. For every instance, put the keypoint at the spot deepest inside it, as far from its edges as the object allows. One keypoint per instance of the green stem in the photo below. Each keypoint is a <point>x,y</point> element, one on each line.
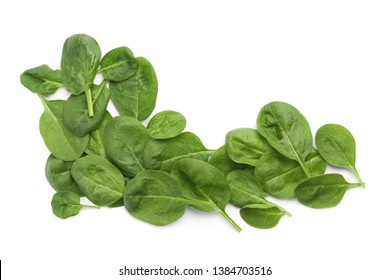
<point>90,206</point>
<point>354,185</point>
<point>230,220</point>
<point>358,177</point>
<point>89,102</point>
<point>304,168</point>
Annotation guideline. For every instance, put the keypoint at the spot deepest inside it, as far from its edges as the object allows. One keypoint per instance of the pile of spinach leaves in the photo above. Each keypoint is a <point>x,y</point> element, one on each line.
<point>158,170</point>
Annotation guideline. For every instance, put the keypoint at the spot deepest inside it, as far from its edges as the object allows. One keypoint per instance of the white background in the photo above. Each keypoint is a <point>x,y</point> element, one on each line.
<point>218,63</point>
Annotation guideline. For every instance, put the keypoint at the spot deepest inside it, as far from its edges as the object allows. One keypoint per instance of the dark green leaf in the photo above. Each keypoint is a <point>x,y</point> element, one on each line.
<point>323,191</point>
<point>136,96</point>
<point>166,124</point>
<point>67,204</point>
<point>246,145</point>
<point>204,186</point>
<point>155,197</point>
<point>42,80</point>
<point>281,175</point>
<point>124,141</point>
<point>58,175</point>
<point>118,64</point>
<point>337,146</point>
<point>162,154</point>
<point>262,216</point>
<point>287,130</point>
<point>76,117</point>
<point>98,179</point>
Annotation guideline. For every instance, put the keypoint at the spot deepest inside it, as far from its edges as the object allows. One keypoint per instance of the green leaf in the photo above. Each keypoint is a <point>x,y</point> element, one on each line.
<point>136,96</point>
<point>67,204</point>
<point>118,64</point>
<point>220,160</point>
<point>59,140</point>
<point>162,154</point>
<point>58,175</point>
<point>281,175</point>
<point>98,179</point>
<point>95,144</point>
<point>337,146</point>
<point>263,216</point>
<point>124,142</point>
<point>166,124</point>
<point>204,186</point>
<point>76,117</point>
<point>79,63</point>
<point>246,145</point>
<point>287,130</point>
<point>245,188</point>
<point>154,197</point>
<point>42,80</point>
<point>323,191</point>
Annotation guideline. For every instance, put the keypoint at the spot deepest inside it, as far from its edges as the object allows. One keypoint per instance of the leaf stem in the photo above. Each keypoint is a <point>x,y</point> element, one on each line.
<point>230,220</point>
<point>304,168</point>
<point>354,185</point>
<point>88,93</point>
<point>358,177</point>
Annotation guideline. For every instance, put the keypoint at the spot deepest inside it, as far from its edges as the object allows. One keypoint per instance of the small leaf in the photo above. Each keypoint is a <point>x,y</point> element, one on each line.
<point>42,80</point>
<point>118,64</point>
<point>261,216</point>
<point>166,124</point>
<point>67,204</point>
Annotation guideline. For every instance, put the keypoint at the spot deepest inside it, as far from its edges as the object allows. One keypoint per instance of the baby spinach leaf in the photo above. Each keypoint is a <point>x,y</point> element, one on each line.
<point>245,188</point>
<point>287,130</point>
<point>166,124</point>
<point>118,64</point>
<point>220,160</point>
<point>79,63</point>
<point>67,204</point>
<point>124,141</point>
<point>58,175</point>
<point>246,145</point>
<point>42,80</point>
<point>281,175</point>
<point>154,197</point>
<point>163,153</point>
<point>204,186</point>
<point>337,146</point>
<point>98,179</point>
<point>59,140</point>
<point>323,191</point>
<point>262,216</point>
<point>95,144</point>
<point>136,96</point>
<point>76,117</point>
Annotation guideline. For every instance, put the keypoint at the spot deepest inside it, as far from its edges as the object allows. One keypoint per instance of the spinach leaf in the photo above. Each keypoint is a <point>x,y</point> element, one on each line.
<point>124,141</point>
<point>204,186</point>
<point>136,96</point>
<point>323,191</point>
<point>220,160</point>
<point>67,204</point>
<point>59,140</point>
<point>287,130</point>
<point>262,216</point>
<point>79,63</point>
<point>281,175</point>
<point>154,197</point>
<point>58,175</point>
<point>76,117</point>
<point>246,145</point>
<point>245,188</point>
<point>163,153</point>
<point>337,146</point>
<point>98,179</point>
<point>95,144</point>
<point>42,80</point>
<point>166,124</point>
<point>118,64</point>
